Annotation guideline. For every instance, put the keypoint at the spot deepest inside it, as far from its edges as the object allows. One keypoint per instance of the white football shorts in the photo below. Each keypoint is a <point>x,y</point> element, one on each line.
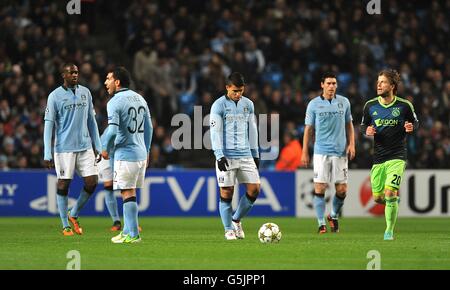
<point>104,171</point>
<point>83,162</point>
<point>243,169</point>
<point>129,174</point>
<point>330,169</point>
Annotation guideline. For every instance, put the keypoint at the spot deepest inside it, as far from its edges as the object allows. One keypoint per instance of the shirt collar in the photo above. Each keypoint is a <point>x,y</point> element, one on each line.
<point>324,99</point>
<point>119,91</point>
<point>229,99</point>
<point>67,88</point>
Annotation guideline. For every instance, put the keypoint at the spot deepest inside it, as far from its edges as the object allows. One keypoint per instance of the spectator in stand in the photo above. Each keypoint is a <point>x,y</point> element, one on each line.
<point>293,36</point>
<point>291,154</point>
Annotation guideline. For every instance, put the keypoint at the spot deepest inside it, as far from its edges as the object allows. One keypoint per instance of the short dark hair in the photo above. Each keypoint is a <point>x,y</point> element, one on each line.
<point>393,76</point>
<point>64,65</point>
<point>236,79</point>
<point>123,75</point>
<point>327,75</point>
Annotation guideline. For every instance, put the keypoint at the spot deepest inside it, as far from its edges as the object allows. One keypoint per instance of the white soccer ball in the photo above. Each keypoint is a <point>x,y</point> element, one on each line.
<point>269,233</point>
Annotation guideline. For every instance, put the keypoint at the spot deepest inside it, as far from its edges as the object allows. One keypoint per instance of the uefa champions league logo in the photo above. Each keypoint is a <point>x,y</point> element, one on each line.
<point>48,202</point>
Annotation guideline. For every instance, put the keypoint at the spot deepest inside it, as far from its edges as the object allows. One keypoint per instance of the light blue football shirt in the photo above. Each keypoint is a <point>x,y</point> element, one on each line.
<point>329,121</point>
<point>129,125</point>
<point>73,116</point>
<point>234,133</point>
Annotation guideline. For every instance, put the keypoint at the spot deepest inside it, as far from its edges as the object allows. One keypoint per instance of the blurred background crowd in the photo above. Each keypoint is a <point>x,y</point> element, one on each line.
<point>180,52</point>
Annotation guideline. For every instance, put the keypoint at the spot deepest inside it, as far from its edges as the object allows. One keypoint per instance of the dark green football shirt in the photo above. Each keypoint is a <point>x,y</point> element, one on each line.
<point>389,121</point>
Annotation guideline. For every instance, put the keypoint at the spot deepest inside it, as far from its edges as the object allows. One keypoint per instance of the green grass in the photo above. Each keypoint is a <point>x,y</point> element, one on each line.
<point>198,243</point>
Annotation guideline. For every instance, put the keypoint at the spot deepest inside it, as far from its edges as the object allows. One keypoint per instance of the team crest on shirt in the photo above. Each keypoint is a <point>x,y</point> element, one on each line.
<point>246,110</point>
<point>340,105</point>
<point>213,123</point>
<point>396,112</point>
<point>83,97</point>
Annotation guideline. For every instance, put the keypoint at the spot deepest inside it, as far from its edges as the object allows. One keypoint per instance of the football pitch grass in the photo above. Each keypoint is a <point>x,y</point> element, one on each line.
<point>183,243</point>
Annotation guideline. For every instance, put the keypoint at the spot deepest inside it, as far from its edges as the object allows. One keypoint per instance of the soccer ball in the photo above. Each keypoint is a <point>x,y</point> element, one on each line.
<point>269,233</point>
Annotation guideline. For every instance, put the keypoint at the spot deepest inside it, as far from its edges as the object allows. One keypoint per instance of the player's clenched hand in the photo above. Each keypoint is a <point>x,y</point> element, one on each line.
<point>409,127</point>
<point>49,164</point>
<point>105,155</point>
<point>222,164</point>
<point>351,152</point>
<point>305,159</point>
<point>371,131</point>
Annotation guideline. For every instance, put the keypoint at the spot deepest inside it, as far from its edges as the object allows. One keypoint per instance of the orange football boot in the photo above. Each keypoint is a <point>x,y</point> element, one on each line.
<point>75,223</point>
<point>67,231</point>
<point>117,226</point>
<point>322,229</point>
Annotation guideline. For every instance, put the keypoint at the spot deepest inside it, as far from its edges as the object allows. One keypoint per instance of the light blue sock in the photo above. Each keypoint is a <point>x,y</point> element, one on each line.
<point>125,230</point>
<point>81,201</point>
<point>62,202</point>
<point>337,205</point>
<point>111,204</point>
<point>319,205</point>
<point>225,214</point>
<point>130,214</point>
<point>243,208</point>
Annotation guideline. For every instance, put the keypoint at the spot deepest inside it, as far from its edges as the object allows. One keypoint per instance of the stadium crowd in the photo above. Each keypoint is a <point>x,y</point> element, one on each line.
<point>181,52</point>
